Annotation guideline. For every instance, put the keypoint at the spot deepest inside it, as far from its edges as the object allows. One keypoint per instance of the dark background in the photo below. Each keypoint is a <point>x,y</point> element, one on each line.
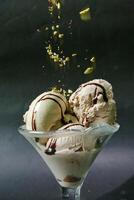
<point>109,36</point>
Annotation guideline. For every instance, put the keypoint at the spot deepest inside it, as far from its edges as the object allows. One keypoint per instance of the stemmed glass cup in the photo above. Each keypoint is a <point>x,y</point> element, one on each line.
<point>69,154</point>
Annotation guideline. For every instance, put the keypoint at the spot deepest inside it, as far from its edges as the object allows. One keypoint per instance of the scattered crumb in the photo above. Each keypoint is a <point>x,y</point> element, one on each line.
<point>46,29</point>
<point>70,91</point>
<point>74,54</point>
<point>61,35</point>
<point>93,59</point>
<point>55,33</point>
<point>85,14</point>
<point>89,70</point>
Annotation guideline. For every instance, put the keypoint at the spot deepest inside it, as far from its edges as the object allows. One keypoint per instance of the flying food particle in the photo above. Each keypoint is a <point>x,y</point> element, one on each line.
<point>71,21</point>
<point>53,28</point>
<point>49,53</point>
<point>57,26</point>
<point>50,8</point>
<point>52,56</point>
<point>67,59</point>
<point>56,58</point>
<point>61,35</point>
<point>60,59</point>
<point>64,62</point>
<point>85,14</point>
<point>70,91</point>
<point>74,54</point>
<point>53,2</point>
<point>61,65</point>
<point>46,29</point>
<point>55,33</point>
<point>92,59</point>
<point>58,5</point>
<point>89,70</point>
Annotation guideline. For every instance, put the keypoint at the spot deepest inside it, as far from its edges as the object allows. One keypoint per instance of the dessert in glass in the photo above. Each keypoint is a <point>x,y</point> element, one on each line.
<point>69,134</point>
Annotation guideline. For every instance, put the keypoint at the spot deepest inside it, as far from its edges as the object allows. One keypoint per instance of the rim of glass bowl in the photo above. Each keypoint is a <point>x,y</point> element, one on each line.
<point>110,129</point>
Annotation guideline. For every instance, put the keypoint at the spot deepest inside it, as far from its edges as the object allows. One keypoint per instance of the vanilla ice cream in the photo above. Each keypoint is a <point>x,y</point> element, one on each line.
<point>46,112</point>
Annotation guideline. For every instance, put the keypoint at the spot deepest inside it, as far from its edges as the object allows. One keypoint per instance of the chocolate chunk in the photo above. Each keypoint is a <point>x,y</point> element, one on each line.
<point>71,179</point>
<point>50,151</point>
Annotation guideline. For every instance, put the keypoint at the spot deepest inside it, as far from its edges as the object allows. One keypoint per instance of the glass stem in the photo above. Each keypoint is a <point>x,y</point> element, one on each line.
<point>71,193</point>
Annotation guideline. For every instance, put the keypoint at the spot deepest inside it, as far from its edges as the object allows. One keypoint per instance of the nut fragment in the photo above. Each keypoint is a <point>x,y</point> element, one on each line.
<point>85,14</point>
<point>89,70</point>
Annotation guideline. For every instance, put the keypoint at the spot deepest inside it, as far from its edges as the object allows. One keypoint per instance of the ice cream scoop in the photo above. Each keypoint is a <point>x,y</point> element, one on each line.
<point>67,143</point>
<point>46,112</point>
<point>72,126</point>
<point>93,102</point>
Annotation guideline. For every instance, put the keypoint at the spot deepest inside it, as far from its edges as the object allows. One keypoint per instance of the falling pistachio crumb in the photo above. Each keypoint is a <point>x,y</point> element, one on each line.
<point>58,5</point>
<point>55,33</point>
<point>53,27</point>
<point>50,53</point>
<point>89,70</point>
<point>46,29</point>
<point>70,91</point>
<point>92,59</point>
<point>57,26</point>
<point>61,36</point>
<point>74,54</point>
<point>85,14</point>
<point>67,59</point>
<point>61,65</point>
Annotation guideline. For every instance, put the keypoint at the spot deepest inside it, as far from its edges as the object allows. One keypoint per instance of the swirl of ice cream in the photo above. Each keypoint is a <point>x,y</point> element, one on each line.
<point>46,112</point>
<point>67,142</point>
<point>93,102</point>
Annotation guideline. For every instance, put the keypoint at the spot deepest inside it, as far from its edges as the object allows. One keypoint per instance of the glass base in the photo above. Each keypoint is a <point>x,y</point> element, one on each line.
<point>71,193</point>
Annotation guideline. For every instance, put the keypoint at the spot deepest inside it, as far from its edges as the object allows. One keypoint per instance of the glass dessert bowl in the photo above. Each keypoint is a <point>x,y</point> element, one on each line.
<point>70,153</point>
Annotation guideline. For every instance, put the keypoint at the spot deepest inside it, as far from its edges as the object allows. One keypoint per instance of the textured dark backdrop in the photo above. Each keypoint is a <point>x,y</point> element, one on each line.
<point>109,36</point>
